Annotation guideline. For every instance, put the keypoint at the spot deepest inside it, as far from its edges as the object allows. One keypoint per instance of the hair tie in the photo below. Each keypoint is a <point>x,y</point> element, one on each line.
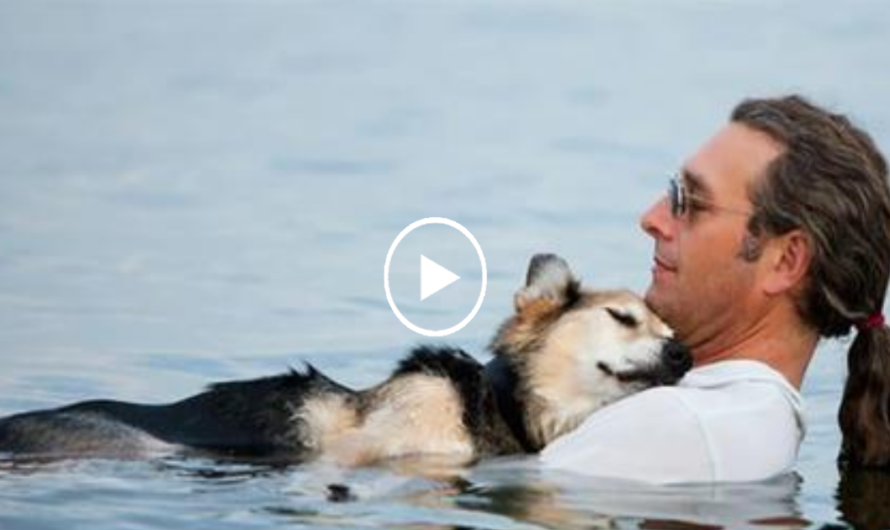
<point>874,321</point>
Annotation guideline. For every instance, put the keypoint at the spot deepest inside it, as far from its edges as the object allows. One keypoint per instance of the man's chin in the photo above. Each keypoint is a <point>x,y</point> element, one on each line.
<point>651,297</point>
<point>658,292</point>
<point>655,299</point>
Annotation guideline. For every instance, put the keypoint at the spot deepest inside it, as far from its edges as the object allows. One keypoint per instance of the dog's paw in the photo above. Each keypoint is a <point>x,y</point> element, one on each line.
<point>340,493</point>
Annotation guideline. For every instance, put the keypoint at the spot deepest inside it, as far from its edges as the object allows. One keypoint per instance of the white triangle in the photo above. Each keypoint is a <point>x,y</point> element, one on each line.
<point>434,277</point>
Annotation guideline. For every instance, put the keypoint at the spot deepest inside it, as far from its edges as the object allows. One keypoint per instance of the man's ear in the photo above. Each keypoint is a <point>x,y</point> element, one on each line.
<point>788,261</point>
<point>549,282</point>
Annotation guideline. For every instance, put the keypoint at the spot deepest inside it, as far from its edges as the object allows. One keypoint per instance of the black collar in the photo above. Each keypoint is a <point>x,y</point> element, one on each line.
<point>503,380</point>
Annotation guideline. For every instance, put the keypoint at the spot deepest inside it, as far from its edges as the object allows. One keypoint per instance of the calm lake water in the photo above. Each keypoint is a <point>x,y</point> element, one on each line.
<point>192,192</point>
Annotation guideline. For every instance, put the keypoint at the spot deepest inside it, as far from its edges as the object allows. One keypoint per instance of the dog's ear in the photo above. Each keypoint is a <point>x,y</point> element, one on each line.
<point>549,282</point>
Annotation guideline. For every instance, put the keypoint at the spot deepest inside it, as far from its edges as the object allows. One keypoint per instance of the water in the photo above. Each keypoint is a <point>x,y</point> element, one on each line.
<point>192,192</point>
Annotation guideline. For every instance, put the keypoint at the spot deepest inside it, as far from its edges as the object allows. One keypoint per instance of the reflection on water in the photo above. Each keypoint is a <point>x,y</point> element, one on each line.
<point>863,499</point>
<point>505,493</point>
<point>567,501</point>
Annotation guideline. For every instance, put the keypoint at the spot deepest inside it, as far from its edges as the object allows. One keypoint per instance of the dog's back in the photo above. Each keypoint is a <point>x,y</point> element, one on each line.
<point>437,401</point>
<point>241,418</point>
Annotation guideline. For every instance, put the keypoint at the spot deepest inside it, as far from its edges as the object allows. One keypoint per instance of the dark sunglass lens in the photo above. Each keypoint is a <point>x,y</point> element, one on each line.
<point>675,197</point>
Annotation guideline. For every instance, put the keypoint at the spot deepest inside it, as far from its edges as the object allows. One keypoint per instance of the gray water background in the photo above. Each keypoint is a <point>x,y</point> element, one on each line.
<point>197,191</point>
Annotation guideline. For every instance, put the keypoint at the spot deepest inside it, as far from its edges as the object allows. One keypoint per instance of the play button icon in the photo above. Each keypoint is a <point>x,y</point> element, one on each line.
<point>434,277</point>
<point>449,240</point>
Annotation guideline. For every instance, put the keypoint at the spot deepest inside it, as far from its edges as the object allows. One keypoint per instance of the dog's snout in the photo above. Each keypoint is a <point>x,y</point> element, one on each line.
<point>677,357</point>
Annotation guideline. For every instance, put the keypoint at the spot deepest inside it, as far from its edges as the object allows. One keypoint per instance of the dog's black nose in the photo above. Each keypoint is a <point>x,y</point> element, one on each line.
<point>677,357</point>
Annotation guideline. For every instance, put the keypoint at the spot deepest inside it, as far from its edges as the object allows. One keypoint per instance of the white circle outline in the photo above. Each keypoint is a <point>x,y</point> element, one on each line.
<point>392,304</point>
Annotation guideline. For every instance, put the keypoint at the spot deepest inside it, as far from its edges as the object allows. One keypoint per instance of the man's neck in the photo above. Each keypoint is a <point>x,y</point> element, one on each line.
<point>778,339</point>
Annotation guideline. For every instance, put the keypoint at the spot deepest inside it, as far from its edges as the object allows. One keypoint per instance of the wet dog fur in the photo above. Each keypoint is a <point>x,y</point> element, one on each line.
<point>565,352</point>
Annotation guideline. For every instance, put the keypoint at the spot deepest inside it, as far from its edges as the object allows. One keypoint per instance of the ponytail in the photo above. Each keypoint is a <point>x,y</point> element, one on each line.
<point>864,413</point>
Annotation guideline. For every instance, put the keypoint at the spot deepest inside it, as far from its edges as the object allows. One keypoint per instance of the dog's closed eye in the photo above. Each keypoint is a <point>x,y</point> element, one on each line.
<point>625,319</point>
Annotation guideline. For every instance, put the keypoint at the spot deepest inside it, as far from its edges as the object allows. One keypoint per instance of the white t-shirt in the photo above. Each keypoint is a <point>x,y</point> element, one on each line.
<point>730,421</point>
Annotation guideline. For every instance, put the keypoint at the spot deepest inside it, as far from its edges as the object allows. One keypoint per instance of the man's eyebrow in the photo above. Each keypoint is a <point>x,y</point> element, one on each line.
<point>695,184</point>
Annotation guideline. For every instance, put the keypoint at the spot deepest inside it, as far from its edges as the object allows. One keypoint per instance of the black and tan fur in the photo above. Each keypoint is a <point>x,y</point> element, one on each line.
<point>566,352</point>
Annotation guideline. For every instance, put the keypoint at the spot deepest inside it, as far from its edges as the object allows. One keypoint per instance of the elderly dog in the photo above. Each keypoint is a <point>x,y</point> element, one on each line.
<point>564,353</point>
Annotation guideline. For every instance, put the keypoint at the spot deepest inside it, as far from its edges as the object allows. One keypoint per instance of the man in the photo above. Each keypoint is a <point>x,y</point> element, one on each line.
<point>774,234</point>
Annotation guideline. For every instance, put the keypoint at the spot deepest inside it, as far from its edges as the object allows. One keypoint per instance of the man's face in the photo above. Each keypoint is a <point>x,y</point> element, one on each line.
<point>701,283</point>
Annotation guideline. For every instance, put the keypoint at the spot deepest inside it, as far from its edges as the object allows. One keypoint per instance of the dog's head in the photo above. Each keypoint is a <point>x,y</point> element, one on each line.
<point>574,350</point>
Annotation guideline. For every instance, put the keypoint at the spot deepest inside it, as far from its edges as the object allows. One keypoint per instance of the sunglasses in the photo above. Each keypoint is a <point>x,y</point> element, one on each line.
<point>680,199</point>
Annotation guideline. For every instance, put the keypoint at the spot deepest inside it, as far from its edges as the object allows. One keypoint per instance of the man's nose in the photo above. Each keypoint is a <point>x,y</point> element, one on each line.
<point>657,221</point>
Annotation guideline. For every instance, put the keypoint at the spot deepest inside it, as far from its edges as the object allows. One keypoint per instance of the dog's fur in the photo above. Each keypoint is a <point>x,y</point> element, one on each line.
<point>566,352</point>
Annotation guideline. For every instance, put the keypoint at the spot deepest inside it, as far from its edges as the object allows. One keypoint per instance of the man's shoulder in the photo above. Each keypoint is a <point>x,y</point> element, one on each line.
<point>738,387</point>
<point>720,398</point>
<point>689,432</point>
<point>727,390</point>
